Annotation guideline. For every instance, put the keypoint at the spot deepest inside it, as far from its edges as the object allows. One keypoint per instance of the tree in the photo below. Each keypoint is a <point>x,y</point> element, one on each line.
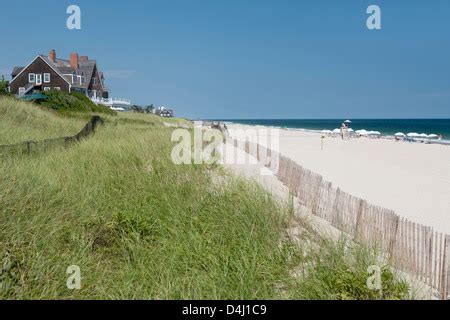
<point>136,108</point>
<point>149,109</point>
<point>4,84</point>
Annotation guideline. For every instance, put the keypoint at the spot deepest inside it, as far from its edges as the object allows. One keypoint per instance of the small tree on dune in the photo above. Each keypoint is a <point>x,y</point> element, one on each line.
<point>4,84</point>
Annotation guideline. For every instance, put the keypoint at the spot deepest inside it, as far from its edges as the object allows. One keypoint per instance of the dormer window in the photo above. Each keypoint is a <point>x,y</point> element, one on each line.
<point>31,77</point>
<point>94,81</point>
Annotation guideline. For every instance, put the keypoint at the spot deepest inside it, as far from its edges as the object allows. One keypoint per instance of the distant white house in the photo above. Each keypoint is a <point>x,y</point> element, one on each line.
<point>163,112</point>
<point>116,104</point>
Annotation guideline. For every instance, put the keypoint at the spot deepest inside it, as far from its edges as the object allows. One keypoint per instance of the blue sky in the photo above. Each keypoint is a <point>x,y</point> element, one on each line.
<point>251,58</point>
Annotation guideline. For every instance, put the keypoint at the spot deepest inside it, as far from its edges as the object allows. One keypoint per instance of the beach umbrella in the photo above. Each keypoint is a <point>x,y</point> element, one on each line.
<point>337,131</point>
<point>433,136</point>
<point>347,121</point>
<point>362,132</point>
<point>374,133</point>
<point>350,130</point>
<point>413,135</point>
<point>399,134</point>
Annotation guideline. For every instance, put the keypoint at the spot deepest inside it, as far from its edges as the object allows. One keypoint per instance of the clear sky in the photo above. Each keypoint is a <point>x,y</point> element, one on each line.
<point>251,58</point>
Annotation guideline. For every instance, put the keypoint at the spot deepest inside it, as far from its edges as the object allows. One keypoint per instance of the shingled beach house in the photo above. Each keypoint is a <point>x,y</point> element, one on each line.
<point>77,74</point>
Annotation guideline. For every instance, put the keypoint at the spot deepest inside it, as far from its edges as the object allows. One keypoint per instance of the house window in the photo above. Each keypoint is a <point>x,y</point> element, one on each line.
<point>31,77</point>
<point>57,88</point>
<point>46,77</point>
<point>46,88</point>
<point>21,90</point>
<point>94,81</point>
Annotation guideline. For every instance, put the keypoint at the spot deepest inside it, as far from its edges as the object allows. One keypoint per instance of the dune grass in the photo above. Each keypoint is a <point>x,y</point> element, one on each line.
<point>21,121</point>
<point>141,227</point>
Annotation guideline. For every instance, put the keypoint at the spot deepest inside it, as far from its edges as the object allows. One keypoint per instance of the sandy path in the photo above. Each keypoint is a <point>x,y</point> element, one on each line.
<point>411,178</point>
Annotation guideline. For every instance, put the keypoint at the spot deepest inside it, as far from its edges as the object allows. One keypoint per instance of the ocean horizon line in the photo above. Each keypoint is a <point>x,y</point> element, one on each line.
<point>438,126</point>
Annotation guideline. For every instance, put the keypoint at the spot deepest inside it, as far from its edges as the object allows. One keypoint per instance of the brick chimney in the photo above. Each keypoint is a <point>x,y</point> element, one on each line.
<point>52,55</point>
<point>74,60</point>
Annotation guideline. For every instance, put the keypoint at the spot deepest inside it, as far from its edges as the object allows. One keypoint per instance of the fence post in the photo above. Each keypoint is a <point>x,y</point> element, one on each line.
<point>446,270</point>
<point>28,147</point>
<point>393,238</point>
<point>359,216</point>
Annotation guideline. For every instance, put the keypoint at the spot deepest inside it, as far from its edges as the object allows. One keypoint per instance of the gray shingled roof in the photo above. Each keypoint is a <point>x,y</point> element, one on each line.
<point>16,71</point>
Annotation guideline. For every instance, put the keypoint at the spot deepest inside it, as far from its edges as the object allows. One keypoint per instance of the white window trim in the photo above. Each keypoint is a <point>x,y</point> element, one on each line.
<point>45,76</point>
<point>47,88</point>
<point>38,75</point>
<point>57,88</point>
<point>31,75</point>
<point>21,90</point>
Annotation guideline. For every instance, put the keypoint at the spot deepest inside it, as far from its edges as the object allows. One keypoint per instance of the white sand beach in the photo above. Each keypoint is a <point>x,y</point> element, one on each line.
<point>411,178</point>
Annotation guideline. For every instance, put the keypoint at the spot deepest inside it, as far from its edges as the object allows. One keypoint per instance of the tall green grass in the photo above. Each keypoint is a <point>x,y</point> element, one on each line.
<point>20,121</point>
<point>141,227</point>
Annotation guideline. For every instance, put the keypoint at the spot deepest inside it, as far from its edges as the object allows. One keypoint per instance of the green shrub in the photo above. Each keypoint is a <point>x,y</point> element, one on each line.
<point>62,101</point>
<point>77,102</point>
<point>91,105</point>
<point>4,87</point>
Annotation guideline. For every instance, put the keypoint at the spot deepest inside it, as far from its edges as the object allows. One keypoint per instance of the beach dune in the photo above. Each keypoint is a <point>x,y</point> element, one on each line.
<point>411,178</point>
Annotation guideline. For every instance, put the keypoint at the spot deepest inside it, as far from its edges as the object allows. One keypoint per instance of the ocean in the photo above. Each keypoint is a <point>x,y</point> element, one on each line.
<point>385,126</point>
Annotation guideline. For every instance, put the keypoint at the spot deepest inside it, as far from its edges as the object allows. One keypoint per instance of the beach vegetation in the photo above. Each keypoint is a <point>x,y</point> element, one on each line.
<point>4,84</point>
<point>72,102</point>
<point>139,226</point>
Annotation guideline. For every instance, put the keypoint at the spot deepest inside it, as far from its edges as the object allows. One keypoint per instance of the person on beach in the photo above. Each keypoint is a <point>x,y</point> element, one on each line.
<point>343,127</point>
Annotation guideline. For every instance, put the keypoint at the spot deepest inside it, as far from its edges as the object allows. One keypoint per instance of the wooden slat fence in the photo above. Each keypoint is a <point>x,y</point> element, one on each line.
<point>34,147</point>
<point>413,248</point>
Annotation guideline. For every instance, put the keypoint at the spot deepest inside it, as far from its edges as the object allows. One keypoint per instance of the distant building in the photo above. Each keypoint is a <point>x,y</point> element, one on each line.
<point>77,74</point>
<point>164,112</point>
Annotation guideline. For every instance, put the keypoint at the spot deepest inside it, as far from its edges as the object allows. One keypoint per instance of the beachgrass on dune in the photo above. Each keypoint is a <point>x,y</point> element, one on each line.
<point>142,227</point>
<point>21,121</point>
